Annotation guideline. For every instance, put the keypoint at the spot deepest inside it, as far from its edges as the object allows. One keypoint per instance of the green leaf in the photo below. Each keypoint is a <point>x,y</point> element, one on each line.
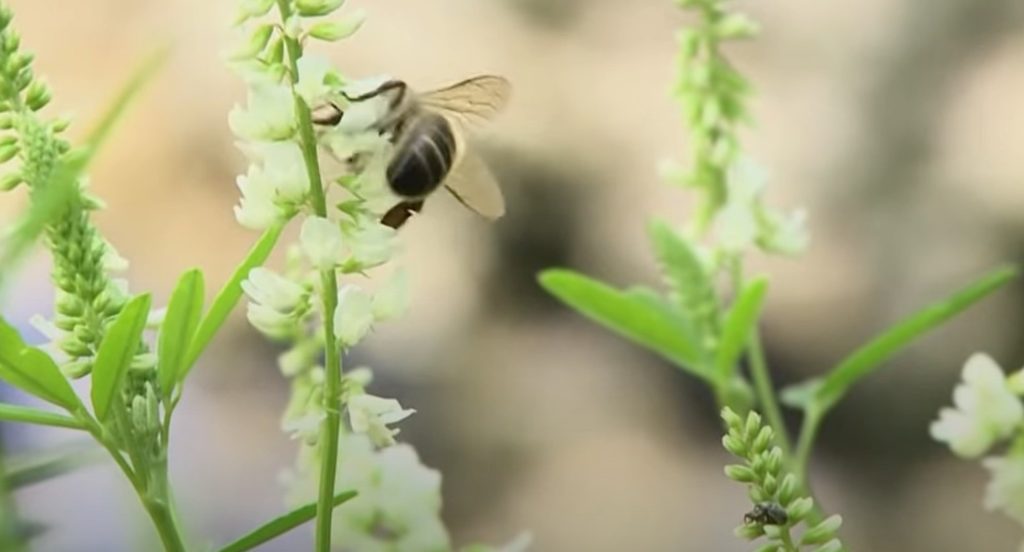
<point>686,274</point>
<point>739,322</point>
<point>116,352</point>
<point>52,197</point>
<point>24,414</point>
<point>281,525</point>
<point>870,357</point>
<point>228,297</point>
<point>28,469</point>
<point>180,323</point>
<point>638,315</point>
<point>33,371</point>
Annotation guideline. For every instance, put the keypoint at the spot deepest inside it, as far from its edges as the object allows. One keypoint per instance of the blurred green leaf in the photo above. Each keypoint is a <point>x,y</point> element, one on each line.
<point>639,315</point>
<point>115,354</point>
<point>33,371</point>
<point>183,313</point>
<point>50,199</point>
<point>870,357</point>
<point>281,525</point>
<point>682,267</point>
<point>228,296</point>
<point>740,320</point>
<point>27,469</point>
<point>27,415</point>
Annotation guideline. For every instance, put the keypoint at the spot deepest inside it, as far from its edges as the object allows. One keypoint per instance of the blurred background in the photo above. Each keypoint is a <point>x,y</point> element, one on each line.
<point>897,123</point>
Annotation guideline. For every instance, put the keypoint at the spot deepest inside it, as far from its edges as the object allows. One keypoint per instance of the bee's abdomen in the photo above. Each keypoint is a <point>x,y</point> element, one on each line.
<point>423,157</point>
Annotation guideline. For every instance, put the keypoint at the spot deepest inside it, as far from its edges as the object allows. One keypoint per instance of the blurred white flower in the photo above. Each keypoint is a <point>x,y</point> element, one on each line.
<point>317,78</point>
<point>392,298</point>
<point>256,209</point>
<point>371,415</point>
<point>737,223</point>
<point>269,113</point>
<point>353,317</point>
<point>784,234</point>
<point>274,186</point>
<point>322,242</point>
<point>276,303</point>
<point>986,410</point>
<point>1005,491</point>
<point>371,243</point>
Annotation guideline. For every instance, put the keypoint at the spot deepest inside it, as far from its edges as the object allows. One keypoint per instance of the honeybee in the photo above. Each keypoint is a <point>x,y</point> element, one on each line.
<point>428,131</point>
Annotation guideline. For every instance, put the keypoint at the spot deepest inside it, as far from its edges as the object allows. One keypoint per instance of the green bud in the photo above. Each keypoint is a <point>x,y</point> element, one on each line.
<point>338,30</point>
<point>152,408</point>
<point>770,547</point>
<point>144,362</point>
<point>734,445</point>
<point>275,53</point>
<point>313,8</point>
<point>775,460</point>
<point>255,44</point>
<point>758,495</point>
<point>823,531</point>
<point>75,348</point>
<point>10,181</point>
<point>8,152</point>
<point>772,531</point>
<point>736,26</point>
<point>77,368</point>
<point>740,473</point>
<point>60,124</point>
<point>731,418</point>
<point>85,334</point>
<point>787,489</point>
<point>749,532</point>
<point>138,411</point>
<point>11,41</point>
<point>38,95</point>
<point>799,509</point>
<point>252,8</point>
<point>763,439</point>
<point>831,546</point>
<point>770,484</point>
<point>6,121</point>
<point>752,426</point>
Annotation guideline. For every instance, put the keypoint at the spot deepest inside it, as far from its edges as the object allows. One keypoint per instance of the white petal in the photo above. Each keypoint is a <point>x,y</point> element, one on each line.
<point>321,242</point>
<point>393,298</point>
<point>268,288</point>
<point>354,315</point>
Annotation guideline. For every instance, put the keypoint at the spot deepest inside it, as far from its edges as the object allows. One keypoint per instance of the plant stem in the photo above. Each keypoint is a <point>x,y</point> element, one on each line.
<point>329,292</point>
<point>765,391</point>
<point>805,442</point>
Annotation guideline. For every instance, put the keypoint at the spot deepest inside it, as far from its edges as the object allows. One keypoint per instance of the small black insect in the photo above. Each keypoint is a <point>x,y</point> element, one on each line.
<point>766,513</point>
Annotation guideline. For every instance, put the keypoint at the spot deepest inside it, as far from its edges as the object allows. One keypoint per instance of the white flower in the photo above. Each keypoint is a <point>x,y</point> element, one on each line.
<point>281,167</point>
<point>986,410</point>
<point>354,315</point>
<point>392,298</point>
<point>266,287</point>
<point>1005,491</point>
<point>784,234</point>
<point>372,244</point>
<point>361,115</point>
<point>256,209</point>
<point>316,77</point>
<point>321,242</point>
<point>268,115</point>
<point>737,222</point>
<point>277,302</point>
<point>371,415</point>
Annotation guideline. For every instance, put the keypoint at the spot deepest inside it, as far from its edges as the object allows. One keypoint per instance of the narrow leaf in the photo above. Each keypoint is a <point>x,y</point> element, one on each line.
<point>27,415</point>
<point>739,322</point>
<point>116,352</point>
<point>281,525</point>
<point>636,315</point>
<point>228,297</point>
<point>28,469</point>
<point>870,357</point>
<point>33,371</point>
<point>180,323</point>
<point>53,196</point>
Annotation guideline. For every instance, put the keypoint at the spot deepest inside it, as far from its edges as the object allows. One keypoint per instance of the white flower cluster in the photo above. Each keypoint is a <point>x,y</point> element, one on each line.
<point>745,220</point>
<point>398,505</point>
<point>988,411</point>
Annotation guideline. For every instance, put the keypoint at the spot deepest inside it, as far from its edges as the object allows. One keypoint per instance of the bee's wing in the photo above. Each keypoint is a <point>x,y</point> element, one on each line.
<point>471,101</point>
<point>475,187</point>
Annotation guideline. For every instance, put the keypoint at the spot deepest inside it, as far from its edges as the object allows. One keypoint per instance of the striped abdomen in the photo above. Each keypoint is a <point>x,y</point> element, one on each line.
<point>423,157</point>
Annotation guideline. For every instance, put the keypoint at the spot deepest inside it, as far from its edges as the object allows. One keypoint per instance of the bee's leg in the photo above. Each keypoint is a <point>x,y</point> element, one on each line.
<point>397,215</point>
<point>327,115</point>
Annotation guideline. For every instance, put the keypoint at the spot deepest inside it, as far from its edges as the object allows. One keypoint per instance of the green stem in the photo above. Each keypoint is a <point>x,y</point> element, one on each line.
<point>766,392</point>
<point>805,442</point>
<point>329,291</point>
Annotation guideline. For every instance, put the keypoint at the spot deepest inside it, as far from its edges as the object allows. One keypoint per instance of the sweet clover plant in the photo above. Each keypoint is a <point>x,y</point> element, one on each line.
<point>706,321</point>
<point>328,181</point>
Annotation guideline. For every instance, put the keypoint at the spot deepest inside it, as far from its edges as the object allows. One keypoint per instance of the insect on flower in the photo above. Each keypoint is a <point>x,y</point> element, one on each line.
<point>766,513</point>
<point>428,131</point>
